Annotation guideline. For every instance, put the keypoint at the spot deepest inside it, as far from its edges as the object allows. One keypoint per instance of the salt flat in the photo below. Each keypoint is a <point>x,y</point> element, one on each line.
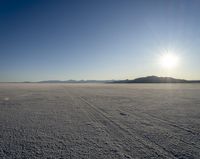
<point>99,121</point>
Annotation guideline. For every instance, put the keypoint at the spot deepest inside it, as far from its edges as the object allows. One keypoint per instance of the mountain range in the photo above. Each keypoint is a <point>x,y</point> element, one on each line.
<point>156,79</point>
<point>148,79</point>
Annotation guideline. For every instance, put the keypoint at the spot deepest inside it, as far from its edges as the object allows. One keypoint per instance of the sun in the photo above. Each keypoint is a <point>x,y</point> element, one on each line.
<point>169,60</point>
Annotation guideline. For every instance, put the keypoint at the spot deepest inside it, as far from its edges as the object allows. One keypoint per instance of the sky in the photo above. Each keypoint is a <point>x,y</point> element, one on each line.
<point>97,39</point>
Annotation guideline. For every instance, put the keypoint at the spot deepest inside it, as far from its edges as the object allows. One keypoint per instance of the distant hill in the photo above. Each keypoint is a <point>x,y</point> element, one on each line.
<point>76,81</point>
<point>155,79</point>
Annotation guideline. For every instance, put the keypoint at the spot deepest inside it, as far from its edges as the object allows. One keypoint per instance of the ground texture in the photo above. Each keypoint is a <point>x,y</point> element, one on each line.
<point>100,121</point>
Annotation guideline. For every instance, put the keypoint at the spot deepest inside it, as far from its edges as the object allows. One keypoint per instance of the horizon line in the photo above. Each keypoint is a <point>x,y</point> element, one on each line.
<point>92,80</point>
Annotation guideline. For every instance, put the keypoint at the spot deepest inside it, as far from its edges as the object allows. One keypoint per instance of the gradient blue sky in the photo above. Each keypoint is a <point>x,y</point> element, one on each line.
<point>97,39</point>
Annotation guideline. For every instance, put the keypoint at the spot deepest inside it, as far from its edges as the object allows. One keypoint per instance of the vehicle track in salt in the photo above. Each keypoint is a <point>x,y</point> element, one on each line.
<point>157,119</point>
<point>171,123</point>
<point>94,119</point>
<point>190,145</point>
<point>148,116</point>
<point>163,121</point>
<point>168,122</point>
<point>119,132</point>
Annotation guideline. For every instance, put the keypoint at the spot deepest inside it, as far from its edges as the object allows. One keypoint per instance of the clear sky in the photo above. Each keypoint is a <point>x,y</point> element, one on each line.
<point>97,39</point>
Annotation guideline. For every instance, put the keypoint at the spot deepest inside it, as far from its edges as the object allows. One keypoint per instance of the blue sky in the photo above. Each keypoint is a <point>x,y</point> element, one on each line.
<point>97,39</point>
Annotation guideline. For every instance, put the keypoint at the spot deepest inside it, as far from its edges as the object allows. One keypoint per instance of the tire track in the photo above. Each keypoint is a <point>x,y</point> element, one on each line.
<point>90,115</point>
<point>143,137</point>
<point>157,119</point>
<point>124,128</point>
<point>170,123</point>
<point>116,130</point>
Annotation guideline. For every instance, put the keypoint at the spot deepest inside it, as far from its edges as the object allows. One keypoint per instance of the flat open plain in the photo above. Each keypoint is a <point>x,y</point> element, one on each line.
<point>100,121</point>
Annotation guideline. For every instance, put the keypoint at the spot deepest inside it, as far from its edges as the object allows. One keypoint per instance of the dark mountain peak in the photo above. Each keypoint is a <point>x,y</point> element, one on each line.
<point>154,79</point>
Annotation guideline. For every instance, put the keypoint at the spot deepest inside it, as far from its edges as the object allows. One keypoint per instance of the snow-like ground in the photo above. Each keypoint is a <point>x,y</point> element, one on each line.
<point>100,121</point>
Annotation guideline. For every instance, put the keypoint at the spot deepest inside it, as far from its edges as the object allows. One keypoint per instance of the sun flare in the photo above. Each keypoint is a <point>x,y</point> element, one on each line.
<point>169,60</point>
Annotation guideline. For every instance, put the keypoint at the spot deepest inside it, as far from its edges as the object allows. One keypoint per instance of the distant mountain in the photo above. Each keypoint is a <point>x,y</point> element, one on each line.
<point>51,81</point>
<point>148,79</point>
<point>75,81</point>
<point>155,79</point>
